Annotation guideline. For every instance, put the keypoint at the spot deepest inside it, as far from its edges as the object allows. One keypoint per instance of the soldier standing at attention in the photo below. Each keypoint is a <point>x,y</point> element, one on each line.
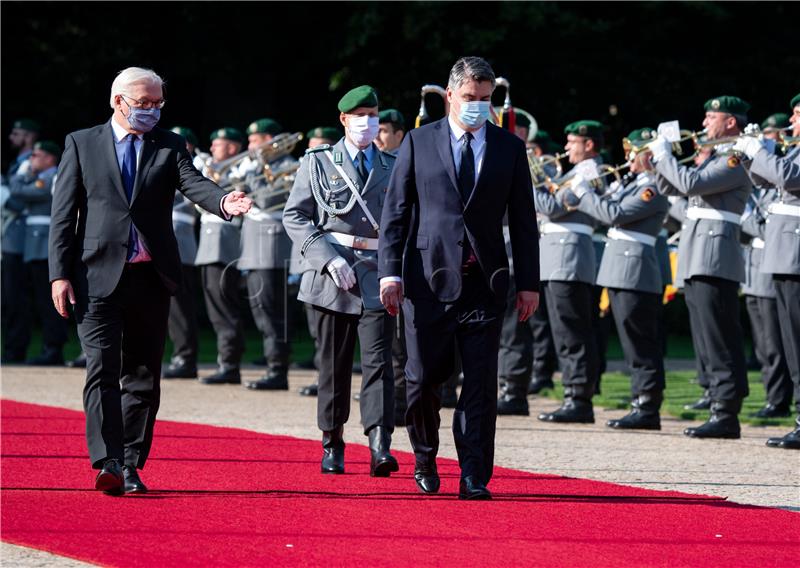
<point>332,211</point>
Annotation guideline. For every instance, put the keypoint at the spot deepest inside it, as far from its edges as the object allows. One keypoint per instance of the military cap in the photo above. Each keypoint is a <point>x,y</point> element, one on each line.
<point>363,96</point>
<point>228,133</point>
<point>588,128</point>
<point>264,126</point>
<point>728,104</point>
<point>795,101</point>
<point>392,115</point>
<point>186,133</point>
<point>519,118</point>
<point>777,120</point>
<point>48,146</point>
<point>641,136</point>
<point>27,124</point>
<point>327,132</point>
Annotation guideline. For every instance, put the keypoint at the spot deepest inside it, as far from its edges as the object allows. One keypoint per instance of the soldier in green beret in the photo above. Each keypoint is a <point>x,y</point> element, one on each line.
<point>322,135</point>
<point>391,130</point>
<point>24,134</point>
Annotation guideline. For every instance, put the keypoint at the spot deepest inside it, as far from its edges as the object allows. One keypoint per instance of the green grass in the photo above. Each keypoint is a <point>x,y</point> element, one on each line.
<point>616,394</point>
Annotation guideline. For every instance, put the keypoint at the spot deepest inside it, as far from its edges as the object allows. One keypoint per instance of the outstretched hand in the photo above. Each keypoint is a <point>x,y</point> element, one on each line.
<point>237,203</point>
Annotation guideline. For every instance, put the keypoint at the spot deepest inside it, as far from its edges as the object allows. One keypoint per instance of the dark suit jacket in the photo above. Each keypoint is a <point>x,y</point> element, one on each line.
<point>91,217</point>
<point>424,219</point>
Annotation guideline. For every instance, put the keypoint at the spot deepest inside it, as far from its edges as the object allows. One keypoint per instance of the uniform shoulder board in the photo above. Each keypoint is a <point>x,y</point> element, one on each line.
<point>320,148</point>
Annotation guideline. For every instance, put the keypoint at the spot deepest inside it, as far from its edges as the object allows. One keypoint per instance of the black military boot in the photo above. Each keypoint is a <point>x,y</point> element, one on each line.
<point>224,375</point>
<point>333,451</point>
<point>790,441</point>
<point>577,407</point>
<point>723,423</point>
<point>773,411</point>
<point>703,403</point>
<point>309,390</point>
<point>180,369</point>
<point>49,357</point>
<point>644,414</point>
<point>275,379</point>
<point>382,463</point>
<point>513,399</point>
<point>538,384</point>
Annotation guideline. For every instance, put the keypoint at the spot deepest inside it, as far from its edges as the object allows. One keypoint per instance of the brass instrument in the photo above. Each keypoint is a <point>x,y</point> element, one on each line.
<point>563,190</point>
<point>422,115</point>
<point>279,146</point>
<point>538,166</point>
<point>786,142</point>
<point>511,111</point>
<point>696,138</point>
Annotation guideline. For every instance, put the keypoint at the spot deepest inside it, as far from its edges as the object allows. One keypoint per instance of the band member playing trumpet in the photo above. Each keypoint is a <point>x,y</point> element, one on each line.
<point>710,260</point>
<point>629,270</point>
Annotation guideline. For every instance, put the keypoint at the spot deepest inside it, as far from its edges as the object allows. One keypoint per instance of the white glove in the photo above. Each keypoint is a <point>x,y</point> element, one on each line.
<point>579,186</point>
<point>660,148</point>
<point>343,276</point>
<point>748,145</point>
<point>752,129</point>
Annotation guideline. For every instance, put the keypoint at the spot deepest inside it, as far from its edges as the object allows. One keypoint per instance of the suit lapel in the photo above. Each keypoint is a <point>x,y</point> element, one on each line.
<point>148,152</point>
<point>109,151</point>
<point>446,152</point>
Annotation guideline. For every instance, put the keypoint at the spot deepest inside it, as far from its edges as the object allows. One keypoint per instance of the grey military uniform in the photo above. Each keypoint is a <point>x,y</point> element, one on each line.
<point>31,194</point>
<point>184,218</point>
<point>219,239</point>
<point>757,282</point>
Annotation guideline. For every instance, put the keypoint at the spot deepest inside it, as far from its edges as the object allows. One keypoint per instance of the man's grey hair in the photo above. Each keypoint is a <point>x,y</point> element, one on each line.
<point>131,76</point>
<point>474,68</point>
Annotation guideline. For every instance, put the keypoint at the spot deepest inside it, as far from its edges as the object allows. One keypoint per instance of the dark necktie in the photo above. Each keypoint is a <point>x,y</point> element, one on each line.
<point>466,172</point>
<point>128,181</point>
<point>361,158</point>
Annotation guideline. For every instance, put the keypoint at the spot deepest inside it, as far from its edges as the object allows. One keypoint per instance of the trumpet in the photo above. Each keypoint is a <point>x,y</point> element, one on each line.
<point>632,151</point>
<point>279,146</point>
<point>422,115</point>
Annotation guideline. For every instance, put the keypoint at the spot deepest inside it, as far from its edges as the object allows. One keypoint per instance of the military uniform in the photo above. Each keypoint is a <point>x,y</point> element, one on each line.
<point>629,270</point>
<point>710,267</point>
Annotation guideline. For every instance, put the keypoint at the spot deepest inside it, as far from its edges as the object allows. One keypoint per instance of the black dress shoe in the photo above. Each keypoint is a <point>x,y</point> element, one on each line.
<point>449,398</point>
<point>512,406</point>
<point>573,411</point>
<point>333,451</point>
<point>703,403</point>
<point>790,441</point>
<point>133,484</point>
<point>47,359</point>
<point>269,382</point>
<point>109,480</point>
<point>470,488</point>
<point>381,463</point>
<point>636,420</point>
<point>773,411</point>
<point>78,362</point>
<point>537,385</point>
<point>223,376</point>
<point>180,371</point>
<point>723,423</point>
<point>427,478</point>
<point>309,390</point>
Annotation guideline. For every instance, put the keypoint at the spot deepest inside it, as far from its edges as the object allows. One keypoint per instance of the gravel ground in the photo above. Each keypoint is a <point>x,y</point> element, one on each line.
<point>744,471</point>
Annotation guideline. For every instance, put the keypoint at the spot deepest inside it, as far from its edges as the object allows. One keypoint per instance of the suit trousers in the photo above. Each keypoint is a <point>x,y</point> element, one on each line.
<point>787,287</point>
<point>715,303</point>
<point>221,290</point>
<point>266,291</point>
<point>433,330</point>
<point>525,347</point>
<point>637,316</point>
<point>694,325</point>
<point>570,306</point>
<point>54,327</point>
<point>764,321</point>
<point>337,333</point>
<point>182,323</point>
<point>16,326</point>
<point>123,336</point>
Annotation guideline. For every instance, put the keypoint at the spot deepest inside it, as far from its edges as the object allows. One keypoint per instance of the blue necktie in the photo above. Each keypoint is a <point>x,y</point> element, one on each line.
<point>128,180</point>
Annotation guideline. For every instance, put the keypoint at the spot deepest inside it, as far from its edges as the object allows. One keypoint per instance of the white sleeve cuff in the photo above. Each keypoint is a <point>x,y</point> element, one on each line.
<point>391,279</point>
<point>224,214</point>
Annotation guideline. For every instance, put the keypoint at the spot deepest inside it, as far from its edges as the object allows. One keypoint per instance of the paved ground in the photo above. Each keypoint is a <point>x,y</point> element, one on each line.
<point>745,470</point>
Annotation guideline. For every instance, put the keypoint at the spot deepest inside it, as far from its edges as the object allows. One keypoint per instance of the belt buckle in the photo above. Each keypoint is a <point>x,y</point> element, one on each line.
<point>360,243</point>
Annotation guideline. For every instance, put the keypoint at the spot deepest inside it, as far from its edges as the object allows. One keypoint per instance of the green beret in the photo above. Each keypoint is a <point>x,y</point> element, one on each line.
<point>186,133</point>
<point>228,133</point>
<point>392,115</point>
<point>50,147</point>
<point>777,120</point>
<point>588,128</point>
<point>27,124</point>
<point>519,118</point>
<point>542,136</point>
<point>327,132</point>
<point>795,101</point>
<point>728,104</point>
<point>363,96</point>
<point>641,136</point>
<point>264,126</point>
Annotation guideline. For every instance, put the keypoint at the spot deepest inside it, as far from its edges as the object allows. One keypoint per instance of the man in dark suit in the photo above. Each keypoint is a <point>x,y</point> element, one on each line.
<point>114,257</point>
<point>442,230</point>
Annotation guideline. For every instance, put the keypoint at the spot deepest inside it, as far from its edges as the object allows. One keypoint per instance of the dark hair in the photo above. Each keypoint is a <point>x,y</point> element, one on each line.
<point>475,68</point>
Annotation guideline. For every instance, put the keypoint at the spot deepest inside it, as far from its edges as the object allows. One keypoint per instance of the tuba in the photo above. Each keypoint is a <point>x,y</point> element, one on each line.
<point>422,116</point>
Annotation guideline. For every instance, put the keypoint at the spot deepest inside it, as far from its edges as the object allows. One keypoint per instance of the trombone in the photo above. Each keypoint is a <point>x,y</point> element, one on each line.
<point>422,115</point>
<point>632,151</point>
<point>269,151</point>
<point>539,166</point>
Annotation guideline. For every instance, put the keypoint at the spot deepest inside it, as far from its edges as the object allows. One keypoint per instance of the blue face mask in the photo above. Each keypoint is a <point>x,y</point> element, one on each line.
<point>474,113</point>
<point>142,120</point>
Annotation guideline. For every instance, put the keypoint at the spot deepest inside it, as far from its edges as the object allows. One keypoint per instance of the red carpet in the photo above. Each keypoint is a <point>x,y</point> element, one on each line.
<point>228,497</point>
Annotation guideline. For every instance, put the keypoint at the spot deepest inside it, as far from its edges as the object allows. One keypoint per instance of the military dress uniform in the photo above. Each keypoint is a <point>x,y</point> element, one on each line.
<point>710,268</point>
<point>629,270</point>
<point>568,268</point>
<point>323,215</point>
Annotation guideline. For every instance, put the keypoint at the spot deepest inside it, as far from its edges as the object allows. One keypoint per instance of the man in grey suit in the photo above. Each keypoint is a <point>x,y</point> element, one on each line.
<point>710,261</point>
<point>629,270</point>
<point>568,268</point>
<point>782,248</point>
<point>331,212</point>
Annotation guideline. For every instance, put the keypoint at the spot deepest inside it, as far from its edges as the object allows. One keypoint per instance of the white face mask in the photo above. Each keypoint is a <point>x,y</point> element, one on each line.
<point>362,129</point>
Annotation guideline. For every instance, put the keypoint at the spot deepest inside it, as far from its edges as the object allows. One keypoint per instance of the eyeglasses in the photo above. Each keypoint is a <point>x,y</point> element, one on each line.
<point>144,103</point>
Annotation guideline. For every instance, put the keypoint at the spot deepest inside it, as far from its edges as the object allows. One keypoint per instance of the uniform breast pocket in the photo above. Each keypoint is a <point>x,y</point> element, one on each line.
<point>790,242</point>
<point>631,261</point>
